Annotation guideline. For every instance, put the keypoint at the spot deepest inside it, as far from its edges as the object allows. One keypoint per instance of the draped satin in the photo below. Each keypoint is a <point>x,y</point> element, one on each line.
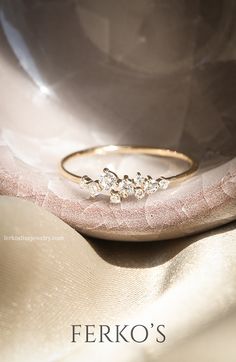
<point>45,286</point>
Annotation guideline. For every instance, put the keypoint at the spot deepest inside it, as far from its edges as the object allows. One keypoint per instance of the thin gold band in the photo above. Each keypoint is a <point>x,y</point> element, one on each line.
<point>159,152</point>
<point>119,189</point>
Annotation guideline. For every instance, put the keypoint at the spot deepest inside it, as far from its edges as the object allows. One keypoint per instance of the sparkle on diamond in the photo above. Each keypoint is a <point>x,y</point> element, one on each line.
<point>126,187</point>
<point>84,181</point>
<point>139,180</point>
<point>151,185</point>
<point>122,188</point>
<point>163,183</point>
<point>139,193</point>
<point>115,197</point>
<point>108,179</point>
<point>94,188</point>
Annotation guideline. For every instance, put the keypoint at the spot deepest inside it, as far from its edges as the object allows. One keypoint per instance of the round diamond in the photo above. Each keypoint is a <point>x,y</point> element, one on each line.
<point>139,193</point>
<point>94,188</point>
<point>151,185</point>
<point>115,197</point>
<point>108,179</point>
<point>126,187</point>
<point>163,183</point>
<point>84,181</point>
<point>139,180</point>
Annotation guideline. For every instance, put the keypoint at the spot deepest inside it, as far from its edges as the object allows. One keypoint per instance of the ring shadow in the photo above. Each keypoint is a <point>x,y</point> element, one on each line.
<point>149,254</point>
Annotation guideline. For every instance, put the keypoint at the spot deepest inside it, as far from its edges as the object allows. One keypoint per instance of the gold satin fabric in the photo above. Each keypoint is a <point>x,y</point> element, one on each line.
<point>45,286</point>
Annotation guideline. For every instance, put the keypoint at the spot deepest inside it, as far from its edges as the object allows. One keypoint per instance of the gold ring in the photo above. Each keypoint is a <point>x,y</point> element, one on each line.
<point>121,188</point>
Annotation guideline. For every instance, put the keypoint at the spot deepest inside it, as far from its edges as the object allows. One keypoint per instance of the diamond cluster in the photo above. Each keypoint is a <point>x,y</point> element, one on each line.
<point>119,189</point>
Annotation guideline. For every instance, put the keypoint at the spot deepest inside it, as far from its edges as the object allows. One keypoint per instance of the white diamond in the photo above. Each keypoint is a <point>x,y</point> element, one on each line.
<point>84,181</point>
<point>163,183</point>
<point>139,180</point>
<point>108,179</point>
<point>94,188</point>
<point>126,187</point>
<point>115,197</point>
<point>151,185</point>
<point>139,193</point>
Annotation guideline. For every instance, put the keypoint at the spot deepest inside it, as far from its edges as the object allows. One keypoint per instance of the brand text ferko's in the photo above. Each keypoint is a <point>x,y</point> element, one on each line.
<point>138,333</point>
